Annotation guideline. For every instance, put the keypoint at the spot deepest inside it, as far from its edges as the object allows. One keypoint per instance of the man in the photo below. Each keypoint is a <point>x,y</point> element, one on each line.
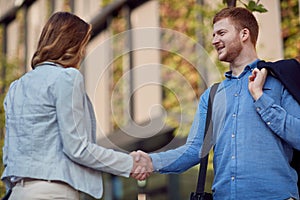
<point>256,122</point>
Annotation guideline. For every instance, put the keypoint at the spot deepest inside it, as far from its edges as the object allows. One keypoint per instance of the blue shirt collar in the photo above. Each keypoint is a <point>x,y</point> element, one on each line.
<point>249,67</point>
<point>49,63</point>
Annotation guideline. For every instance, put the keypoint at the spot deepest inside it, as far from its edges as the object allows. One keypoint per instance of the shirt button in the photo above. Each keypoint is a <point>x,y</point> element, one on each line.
<point>236,95</point>
<point>269,123</point>
<point>232,178</point>
<point>258,109</point>
<point>234,115</point>
<point>233,135</point>
<point>232,157</point>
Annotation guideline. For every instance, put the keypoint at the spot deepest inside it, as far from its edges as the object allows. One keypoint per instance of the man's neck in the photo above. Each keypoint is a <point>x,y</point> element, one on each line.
<point>238,65</point>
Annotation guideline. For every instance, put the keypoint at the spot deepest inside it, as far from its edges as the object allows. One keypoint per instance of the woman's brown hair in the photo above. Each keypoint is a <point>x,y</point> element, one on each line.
<point>241,18</point>
<point>62,40</point>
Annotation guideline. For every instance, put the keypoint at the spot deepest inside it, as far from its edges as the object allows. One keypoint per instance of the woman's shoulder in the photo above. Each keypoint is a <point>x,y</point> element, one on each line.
<point>69,78</point>
<point>71,74</point>
<point>60,72</point>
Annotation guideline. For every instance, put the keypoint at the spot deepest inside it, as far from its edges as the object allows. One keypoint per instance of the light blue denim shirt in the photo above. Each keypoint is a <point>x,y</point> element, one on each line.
<point>51,132</point>
<point>253,141</point>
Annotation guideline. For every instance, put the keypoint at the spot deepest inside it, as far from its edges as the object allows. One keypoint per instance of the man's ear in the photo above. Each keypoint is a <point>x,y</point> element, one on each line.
<point>245,34</point>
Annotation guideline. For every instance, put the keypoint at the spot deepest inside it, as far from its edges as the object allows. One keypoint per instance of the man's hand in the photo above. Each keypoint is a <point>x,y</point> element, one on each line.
<point>256,82</point>
<point>142,165</point>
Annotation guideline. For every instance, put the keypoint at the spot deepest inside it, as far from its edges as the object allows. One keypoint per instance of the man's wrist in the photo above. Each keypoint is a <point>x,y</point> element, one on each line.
<point>257,95</point>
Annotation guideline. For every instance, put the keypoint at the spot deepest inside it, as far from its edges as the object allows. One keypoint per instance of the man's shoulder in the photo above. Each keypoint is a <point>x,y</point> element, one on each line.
<point>279,63</point>
<point>287,71</point>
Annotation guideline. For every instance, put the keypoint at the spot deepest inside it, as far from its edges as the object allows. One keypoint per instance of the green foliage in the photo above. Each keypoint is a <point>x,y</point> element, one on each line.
<point>194,21</point>
<point>118,66</point>
<point>255,6</point>
<point>104,3</point>
<point>290,28</point>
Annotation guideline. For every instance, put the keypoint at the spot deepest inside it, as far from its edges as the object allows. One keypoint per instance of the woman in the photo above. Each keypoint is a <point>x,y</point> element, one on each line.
<point>50,150</point>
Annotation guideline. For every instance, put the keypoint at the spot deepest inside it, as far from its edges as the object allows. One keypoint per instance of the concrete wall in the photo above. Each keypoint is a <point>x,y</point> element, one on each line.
<point>270,44</point>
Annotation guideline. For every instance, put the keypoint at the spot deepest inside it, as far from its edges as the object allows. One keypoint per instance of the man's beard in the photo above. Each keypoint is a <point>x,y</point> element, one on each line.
<point>232,52</point>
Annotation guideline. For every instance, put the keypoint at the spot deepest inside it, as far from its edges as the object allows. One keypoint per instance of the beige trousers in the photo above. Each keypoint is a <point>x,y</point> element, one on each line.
<point>43,190</point>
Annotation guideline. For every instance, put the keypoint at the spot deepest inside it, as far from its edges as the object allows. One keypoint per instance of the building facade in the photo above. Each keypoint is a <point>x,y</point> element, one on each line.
<point>123,72</point>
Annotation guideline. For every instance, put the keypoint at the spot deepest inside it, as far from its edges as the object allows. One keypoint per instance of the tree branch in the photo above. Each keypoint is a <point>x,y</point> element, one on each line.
<point>231,3</point>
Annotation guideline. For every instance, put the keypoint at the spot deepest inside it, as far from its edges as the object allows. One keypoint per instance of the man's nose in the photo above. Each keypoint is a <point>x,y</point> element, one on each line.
<point>215,40</point>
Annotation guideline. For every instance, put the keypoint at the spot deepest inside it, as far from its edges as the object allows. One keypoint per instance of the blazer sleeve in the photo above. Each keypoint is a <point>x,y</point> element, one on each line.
<point>77,146</point>
<point>6,104</point>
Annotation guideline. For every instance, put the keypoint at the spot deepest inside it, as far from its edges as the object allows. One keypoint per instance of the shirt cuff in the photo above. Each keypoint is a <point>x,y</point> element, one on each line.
<point>263,103</point>
<point>156,161</point>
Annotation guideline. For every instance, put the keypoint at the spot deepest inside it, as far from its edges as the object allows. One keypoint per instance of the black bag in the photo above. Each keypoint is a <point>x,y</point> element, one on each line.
<point>200,194</point>
<point>7,195</point>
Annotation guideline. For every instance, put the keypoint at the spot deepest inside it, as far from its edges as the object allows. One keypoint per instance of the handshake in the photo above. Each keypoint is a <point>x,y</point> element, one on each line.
<point>142,165</point>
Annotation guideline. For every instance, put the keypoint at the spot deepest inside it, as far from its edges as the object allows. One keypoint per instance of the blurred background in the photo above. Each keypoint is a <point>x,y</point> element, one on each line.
<point>146,66</point>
